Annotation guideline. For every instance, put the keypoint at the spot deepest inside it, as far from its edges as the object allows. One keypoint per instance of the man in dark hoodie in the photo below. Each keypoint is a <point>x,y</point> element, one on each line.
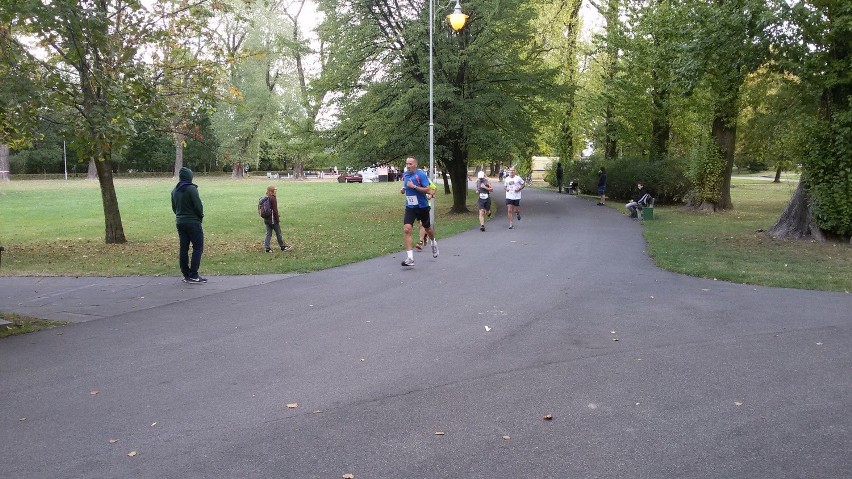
<point>188,215</point>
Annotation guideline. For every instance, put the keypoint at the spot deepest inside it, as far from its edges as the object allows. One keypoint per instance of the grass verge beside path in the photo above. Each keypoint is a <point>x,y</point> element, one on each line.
<point>56,228</point>
<point>23,324</point>
<point>728,245</point>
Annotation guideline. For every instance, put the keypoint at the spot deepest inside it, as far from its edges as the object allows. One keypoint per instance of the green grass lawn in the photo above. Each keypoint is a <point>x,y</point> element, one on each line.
<point>730,246</point>
<point>53,228</point>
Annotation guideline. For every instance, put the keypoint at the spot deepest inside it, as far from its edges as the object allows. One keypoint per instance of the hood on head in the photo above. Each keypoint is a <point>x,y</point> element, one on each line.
<point>185,174</point>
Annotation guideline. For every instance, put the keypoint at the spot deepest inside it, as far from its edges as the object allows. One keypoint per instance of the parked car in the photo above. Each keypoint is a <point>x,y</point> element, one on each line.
<point>350,178</point>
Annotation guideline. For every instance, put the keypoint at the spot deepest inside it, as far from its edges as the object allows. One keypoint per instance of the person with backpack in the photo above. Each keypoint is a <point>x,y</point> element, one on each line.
<point>189,212</point>
<point>267,208</point>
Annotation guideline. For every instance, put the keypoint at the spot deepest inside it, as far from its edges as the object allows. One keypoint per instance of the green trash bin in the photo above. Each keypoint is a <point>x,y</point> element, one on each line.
<point>648,213</point>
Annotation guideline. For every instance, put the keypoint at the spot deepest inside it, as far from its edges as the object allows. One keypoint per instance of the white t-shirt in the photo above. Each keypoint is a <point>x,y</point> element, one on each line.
<point>513,186</point>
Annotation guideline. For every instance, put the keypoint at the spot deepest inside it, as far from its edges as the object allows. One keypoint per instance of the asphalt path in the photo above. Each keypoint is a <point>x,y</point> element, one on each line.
<point>450,369</point>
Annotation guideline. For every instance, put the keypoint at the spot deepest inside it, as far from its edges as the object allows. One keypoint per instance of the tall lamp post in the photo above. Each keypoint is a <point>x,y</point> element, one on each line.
<point>457,20</point>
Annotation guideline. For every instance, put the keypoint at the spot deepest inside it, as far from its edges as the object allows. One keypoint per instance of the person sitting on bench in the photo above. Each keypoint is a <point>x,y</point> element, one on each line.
<point>640,199</point>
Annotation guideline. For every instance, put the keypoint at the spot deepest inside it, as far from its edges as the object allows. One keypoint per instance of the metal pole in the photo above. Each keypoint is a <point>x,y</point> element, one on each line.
<point>431,108</point>
<point>65,159</point>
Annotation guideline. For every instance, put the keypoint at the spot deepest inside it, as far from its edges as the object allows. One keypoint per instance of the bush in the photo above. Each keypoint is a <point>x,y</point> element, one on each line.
<point>666,180</point>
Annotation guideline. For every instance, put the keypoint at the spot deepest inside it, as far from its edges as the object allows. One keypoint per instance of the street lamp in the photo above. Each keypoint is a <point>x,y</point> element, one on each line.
<point>457,20</point>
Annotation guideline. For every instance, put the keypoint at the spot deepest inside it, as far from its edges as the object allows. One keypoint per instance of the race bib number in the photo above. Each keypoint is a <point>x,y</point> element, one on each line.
<point>411,200</point>
<point>483,196</point>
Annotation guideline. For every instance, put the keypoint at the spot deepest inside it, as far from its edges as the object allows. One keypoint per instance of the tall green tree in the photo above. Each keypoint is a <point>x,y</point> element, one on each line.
<point>95,67</point>
<point>19,95</point>
<point>259,87</point>
<point>729,39</point>
<point>489,84</point>
<point>819,51</point>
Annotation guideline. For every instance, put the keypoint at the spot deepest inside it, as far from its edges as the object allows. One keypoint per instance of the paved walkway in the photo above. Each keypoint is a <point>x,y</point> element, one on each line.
<point>446,370</point>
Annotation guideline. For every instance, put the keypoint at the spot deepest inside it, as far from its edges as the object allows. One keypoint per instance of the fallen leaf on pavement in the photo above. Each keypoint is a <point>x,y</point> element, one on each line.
<point>548,417</point>
<point>507,437</point>
<point>293,405</point>
<point>113,441</point>
<point>94,392</point>
<point>439,433</point>
<point>349,475</point>
<point>132,453</point>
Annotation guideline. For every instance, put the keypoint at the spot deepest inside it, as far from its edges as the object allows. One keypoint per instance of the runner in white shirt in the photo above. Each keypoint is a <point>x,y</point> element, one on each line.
<point>513,184</point>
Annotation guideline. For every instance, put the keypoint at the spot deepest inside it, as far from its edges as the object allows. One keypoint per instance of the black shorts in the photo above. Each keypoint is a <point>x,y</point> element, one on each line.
<point>422,214</point>
<point>484,204</point>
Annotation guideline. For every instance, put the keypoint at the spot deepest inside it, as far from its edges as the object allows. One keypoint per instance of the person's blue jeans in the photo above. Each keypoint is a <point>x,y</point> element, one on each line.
<point>190,233</point>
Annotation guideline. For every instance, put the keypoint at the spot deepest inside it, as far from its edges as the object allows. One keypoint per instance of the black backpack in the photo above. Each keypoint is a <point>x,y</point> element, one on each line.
<point>264,208</point>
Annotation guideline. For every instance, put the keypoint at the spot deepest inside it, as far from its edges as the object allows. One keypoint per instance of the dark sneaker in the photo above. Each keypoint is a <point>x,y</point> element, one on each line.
<point>510,226</point>
<point>268,250</point>
<point>286,248</point>
<point>481,227</point>
<point>419,246</point>
<point>519,217</point>
<point>195,280</point>
<point>488,214</point>
<point>434,250</point>
<point>408,262</point>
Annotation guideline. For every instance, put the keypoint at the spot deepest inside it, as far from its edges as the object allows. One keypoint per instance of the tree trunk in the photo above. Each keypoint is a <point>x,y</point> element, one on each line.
<point>179,139</point>
<point>797,219</point>
<point>777,175</point>
<point>4,162</point>
<point>446,179</point>
<point>660,123</point>
<point>725,136</point>
<point>93,170</point>
<point>112,216</point>
<point>611,142</point>
<point>458,178</point>
<point>237,170</point>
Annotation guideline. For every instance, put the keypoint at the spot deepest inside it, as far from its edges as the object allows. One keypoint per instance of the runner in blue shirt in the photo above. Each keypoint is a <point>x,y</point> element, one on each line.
<point>415,187</point>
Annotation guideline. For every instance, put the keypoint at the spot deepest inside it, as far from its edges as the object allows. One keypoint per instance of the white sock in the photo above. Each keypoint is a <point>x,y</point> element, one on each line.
<point>434,242</point>
<point>410,254</point>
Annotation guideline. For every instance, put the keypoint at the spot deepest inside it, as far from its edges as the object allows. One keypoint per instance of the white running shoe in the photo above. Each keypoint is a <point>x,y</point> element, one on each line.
<point>408,262</point>
<point>434,249</point>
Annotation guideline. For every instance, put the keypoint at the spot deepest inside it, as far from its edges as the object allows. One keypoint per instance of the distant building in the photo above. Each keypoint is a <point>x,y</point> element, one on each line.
<point>540,165</point>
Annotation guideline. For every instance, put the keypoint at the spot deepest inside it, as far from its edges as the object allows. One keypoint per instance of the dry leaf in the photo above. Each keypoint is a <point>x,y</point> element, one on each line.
<point>819,344</point>
<point>738,403</point>
<point>22,419</point>
<point>113,441</point>
<point>487,329</point>
<point>94,392</point>
<point>349,475</point>
<point>507,437</point>
<point>132,453</point>
<point>293,405</point>
<point>615,339</point>
<point>548,417</point>
<point>439,433</point>
<point>153,424</point>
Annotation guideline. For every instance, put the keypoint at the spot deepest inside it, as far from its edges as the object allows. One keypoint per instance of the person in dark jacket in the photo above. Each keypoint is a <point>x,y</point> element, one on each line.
<point>273,223</point>
<point>602,186</point>
<point>189,212</point>
<point>559,175</point>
